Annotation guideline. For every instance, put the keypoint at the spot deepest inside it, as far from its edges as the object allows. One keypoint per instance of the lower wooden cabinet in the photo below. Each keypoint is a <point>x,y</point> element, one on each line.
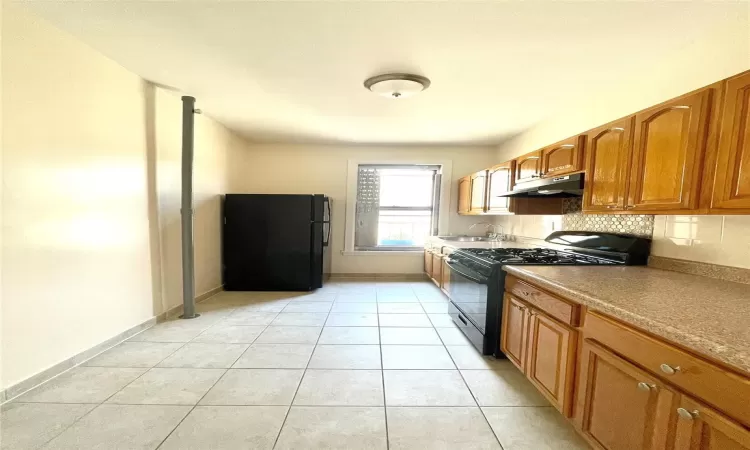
<point>437,269</point>
<point>428,263</point>
<point>622,389</point>
<point>514,331</point>
<point>618,406</point>
<point>702,428</point>
<point>551,360</point>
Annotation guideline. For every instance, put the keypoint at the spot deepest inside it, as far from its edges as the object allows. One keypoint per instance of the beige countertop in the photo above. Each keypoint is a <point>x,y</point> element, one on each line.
<point>707,315</point>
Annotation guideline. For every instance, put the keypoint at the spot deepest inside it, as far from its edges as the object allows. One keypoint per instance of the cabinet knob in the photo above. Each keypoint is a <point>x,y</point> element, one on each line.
<point>669,370</point>
<point>688,415</point>
<point>646,387</point>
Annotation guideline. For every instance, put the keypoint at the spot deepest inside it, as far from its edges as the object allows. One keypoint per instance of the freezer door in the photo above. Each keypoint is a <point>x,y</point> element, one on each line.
<point>267,242</point>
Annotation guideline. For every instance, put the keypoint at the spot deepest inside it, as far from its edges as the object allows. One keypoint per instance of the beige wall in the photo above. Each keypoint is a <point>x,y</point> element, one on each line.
<point>75,234</point>
<point>287,169</point>
<point>723,53</point>
<point>91,169</point>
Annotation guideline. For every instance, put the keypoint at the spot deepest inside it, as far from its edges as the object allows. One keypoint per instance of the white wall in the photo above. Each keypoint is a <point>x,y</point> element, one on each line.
<point>308,169</point>
<point>721,54</point>
<point>75,232</point>
<point>91,170</point>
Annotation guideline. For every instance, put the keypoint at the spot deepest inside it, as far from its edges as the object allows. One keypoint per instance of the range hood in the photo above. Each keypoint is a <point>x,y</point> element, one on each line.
<point>565,186</point>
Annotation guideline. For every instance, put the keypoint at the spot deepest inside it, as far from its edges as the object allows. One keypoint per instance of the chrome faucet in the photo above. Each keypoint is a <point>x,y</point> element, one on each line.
<point>493,235</point>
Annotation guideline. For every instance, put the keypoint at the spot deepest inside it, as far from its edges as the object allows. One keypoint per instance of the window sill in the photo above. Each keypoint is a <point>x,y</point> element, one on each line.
<point>382,253</point>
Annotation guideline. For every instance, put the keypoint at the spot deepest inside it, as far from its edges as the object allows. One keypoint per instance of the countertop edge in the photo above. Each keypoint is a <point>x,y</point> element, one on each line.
<point>719,351</point>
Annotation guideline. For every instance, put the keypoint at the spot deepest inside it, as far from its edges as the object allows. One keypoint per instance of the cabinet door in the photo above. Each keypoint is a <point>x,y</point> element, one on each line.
<point>564,157</point>
<point>437,269</point>
<point>701,428</point>
<point>528,167</point>
<point>499,180</point>
<point>479,192</point>
<point>732,184</point>
<point>464,195</point>
<point>514,331</point>
<point>670,144</point>
<point>608,153</point>
<point>428,263</point>
<point>618,406</point>
<point>446,277</point>
<point>551,359</point>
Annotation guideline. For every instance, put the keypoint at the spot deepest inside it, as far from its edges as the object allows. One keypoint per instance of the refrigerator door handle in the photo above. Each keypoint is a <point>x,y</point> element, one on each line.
<point>326,221</point>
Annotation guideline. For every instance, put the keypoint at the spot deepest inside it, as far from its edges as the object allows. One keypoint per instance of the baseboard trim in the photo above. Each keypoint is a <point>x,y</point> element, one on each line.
<point>33,381</point>
<point>177,310</point>
<point>378,276</point>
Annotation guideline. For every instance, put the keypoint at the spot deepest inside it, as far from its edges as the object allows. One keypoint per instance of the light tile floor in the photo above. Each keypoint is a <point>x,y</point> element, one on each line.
<point>355,365</point>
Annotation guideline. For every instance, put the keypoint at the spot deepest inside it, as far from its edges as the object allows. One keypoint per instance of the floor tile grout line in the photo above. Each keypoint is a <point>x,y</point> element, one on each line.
<point>226,371</point>
<point>382,380</point>
<point>112,395</point>
<point>296,391</point>
<point>148,369</point>
<point>475,399</point>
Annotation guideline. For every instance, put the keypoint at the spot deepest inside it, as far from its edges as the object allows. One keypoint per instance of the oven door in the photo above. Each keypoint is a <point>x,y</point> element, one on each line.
<point>468,291</point>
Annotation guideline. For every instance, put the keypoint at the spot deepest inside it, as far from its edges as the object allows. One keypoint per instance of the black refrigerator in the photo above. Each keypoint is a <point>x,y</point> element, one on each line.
<point>275,242</point>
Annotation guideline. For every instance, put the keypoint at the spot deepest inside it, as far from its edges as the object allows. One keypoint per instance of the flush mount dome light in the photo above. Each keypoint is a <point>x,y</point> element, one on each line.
<point>397,85</point>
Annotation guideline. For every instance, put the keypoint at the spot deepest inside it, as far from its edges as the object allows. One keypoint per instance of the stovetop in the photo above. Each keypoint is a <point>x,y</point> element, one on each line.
<point>539,256</point>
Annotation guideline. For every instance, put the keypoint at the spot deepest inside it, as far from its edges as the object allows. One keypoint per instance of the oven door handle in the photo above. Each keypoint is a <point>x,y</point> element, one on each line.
<point>455,268</point>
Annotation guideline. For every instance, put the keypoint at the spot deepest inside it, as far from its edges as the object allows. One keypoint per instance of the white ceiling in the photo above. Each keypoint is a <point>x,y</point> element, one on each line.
<point>293,71</point>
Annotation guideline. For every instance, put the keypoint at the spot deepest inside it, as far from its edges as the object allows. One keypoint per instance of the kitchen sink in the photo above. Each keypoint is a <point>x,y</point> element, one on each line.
<point>463,238</point>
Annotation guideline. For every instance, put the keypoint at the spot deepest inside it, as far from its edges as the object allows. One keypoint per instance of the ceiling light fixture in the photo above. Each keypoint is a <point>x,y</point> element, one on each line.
<point>397,85</point>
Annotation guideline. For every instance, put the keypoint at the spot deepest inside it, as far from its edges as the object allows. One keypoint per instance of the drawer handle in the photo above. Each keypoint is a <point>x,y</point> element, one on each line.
<point>688,415</point>
<point>462,320</point>
<point>669,370</point>
<point>645,387</point>
<point>529,294</point>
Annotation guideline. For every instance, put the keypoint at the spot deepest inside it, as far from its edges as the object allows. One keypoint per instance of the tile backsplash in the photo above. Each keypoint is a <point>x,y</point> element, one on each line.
<point>574,219</point>
<point>723,240</point>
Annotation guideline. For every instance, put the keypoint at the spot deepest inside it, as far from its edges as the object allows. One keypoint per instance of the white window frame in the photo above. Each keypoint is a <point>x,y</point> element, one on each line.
<point>351,200</point>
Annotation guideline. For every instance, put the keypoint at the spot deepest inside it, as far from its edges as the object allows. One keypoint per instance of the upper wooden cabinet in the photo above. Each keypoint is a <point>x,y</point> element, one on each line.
<point>478,183</point>
<point>669,147</point>
<point>528,167</point>
<point>564,157</point>
<point>620,407</point>
<point>464,195</point>
<point>702,428</point>
<point>732,183</point>
<point>608,152</point>
<point>499,180</point>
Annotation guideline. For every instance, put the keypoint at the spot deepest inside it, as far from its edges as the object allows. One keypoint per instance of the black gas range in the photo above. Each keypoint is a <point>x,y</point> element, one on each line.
<point>477,281</point>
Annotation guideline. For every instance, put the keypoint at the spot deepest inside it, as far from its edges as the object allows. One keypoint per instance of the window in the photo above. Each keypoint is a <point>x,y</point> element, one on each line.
<point>397,206</point>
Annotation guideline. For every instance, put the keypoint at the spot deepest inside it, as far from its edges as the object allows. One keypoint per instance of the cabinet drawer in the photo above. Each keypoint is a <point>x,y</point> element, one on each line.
<point>568,313</point>
<point>727,391</point>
